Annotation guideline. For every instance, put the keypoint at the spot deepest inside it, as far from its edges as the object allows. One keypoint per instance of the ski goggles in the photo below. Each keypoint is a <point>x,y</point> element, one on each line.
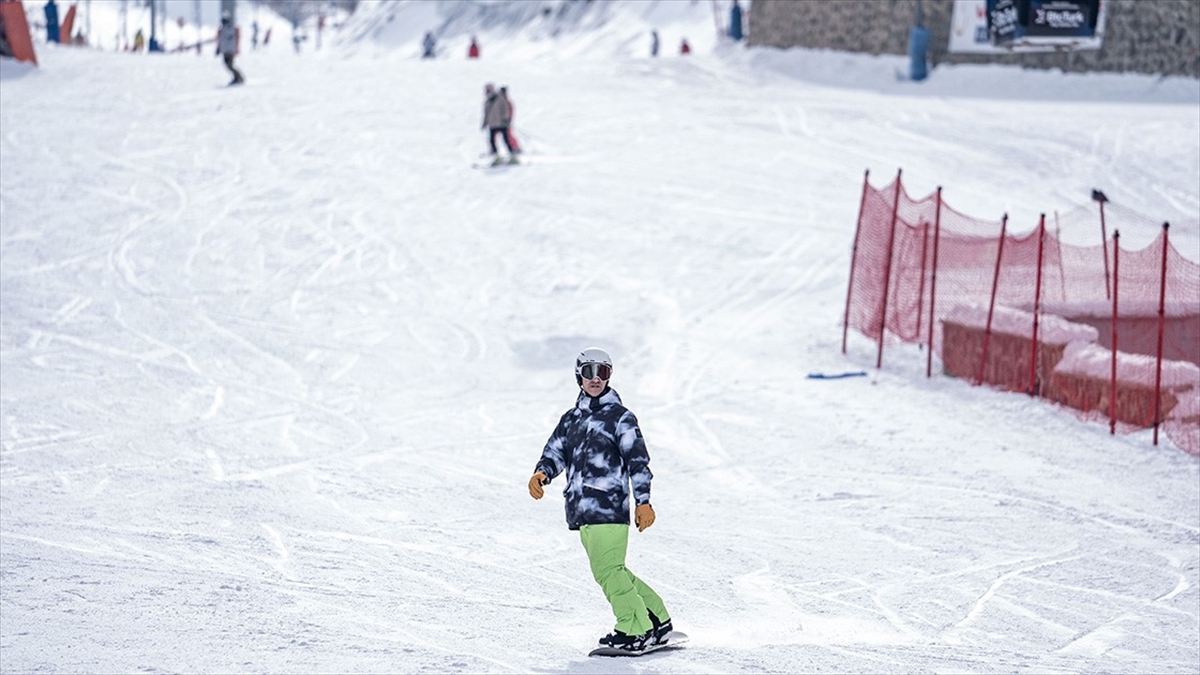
<point>590,370</point>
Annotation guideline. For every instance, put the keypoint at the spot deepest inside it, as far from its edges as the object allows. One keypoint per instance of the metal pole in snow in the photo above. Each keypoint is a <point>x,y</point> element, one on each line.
<point>937,235</point>
<point>987,332</point>
<point>1104,241</point>
<point>1162,318</point>
<point>1034,389</point>
<point>887,274</point>
<point>1116,287</point>
<point>854,258</point>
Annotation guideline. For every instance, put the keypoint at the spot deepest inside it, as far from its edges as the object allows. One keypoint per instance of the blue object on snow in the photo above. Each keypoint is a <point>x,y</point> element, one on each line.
<point>837,376</point>
<point>918,48</point>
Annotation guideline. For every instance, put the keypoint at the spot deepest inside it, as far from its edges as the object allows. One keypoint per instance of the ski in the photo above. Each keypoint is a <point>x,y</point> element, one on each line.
<point>511,161</point>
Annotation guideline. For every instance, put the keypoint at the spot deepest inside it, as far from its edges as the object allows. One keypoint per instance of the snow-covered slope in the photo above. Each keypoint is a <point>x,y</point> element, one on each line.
<point>276,364</point>
<point>518,29</point>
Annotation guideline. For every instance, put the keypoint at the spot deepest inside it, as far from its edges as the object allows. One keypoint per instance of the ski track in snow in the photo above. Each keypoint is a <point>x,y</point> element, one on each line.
<point>277,364</point>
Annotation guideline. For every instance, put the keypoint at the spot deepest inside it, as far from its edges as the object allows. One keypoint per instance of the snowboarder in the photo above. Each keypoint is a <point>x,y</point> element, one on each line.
<point>227,45</point>
<point>599,445</point>
<point>653,43</point>
<point>429,45</point>
<point>473,50</point>
<point>684,48</point>
<point>497,115</point>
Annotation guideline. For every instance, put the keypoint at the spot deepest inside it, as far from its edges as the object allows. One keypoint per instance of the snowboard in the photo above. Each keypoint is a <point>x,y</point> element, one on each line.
<point>675,640</point>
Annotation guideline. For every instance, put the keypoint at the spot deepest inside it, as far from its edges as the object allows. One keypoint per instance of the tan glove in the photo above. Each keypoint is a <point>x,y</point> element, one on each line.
<point>643,516</point>
<point>535,485</point>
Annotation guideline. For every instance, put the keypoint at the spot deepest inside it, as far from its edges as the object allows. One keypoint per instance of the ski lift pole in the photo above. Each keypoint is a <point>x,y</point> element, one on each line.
<point>1098,196</point>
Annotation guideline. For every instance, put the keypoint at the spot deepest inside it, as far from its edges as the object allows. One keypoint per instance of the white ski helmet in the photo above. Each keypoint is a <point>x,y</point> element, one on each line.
<point>592,355</point>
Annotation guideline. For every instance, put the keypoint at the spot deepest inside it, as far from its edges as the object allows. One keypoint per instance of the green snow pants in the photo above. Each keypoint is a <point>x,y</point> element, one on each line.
<point>629,596</point>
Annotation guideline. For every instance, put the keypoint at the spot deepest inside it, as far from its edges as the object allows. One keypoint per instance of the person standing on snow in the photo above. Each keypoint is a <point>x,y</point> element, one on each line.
<point>735,22</point>
<point>429,45</point>
<point>497,115</point>
<point>473,50</point>
<point>227,47</point>
<point>600,447</point>
<point>510,137</point>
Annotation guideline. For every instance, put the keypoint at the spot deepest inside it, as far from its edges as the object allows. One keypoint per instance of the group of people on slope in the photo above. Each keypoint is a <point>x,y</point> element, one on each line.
<point>429,47</point>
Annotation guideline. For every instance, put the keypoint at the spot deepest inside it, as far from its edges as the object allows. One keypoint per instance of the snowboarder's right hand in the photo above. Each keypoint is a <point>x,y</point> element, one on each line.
<point>535,485</point>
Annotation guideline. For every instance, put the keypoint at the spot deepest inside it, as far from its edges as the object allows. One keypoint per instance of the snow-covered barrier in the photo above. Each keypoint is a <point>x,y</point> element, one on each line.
<point>1072,369</point>
<point>1083,380</point>
<point>1009,346</point>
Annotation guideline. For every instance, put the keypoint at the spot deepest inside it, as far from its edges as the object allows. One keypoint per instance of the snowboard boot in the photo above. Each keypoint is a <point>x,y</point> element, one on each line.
<point>658,634</point>
<point>629,643</point>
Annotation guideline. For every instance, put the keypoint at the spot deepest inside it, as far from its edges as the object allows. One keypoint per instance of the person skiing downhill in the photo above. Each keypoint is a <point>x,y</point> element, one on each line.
<point>497,115</point>
<point>599,445</point>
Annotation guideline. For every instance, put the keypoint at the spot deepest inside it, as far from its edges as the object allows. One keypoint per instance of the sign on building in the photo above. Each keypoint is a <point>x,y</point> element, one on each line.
<point>1007,26</point>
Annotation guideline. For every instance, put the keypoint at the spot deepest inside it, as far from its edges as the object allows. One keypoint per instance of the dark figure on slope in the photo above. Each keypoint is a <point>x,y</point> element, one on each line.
<point>227,47</point>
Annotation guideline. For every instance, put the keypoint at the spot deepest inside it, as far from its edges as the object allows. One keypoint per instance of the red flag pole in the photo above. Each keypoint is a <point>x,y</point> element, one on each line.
<point>987,332</point>
<point>1116,287</point>
<point>862,203</point>
<point>1034,389</point>
<point>1162,319</point>
<point>887,275</point>
<point>937,235</point>
<point>921,285</point>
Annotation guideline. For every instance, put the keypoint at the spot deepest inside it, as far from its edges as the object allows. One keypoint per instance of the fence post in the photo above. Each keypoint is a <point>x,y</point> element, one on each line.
<point>1162,317</point>
<point>1116,294</point>
<point>1099,196</point>
<point>987,332</point>
<point>1034,388</point>
<point>887,275</point>
<point>937,235</point>
<point>854,258</point>
<point>921,283</point>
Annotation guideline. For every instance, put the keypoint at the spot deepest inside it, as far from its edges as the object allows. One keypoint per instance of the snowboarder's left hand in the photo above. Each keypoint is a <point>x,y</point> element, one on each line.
<point>643,516</point>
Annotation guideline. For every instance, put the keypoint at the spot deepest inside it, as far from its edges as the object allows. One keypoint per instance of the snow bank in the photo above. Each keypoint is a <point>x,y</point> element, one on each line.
<point>1094,361</point>
<point>1051,329</point>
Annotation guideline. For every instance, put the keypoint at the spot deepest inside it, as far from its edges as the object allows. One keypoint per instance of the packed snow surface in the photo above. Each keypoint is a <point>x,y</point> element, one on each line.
<point>278,362</point>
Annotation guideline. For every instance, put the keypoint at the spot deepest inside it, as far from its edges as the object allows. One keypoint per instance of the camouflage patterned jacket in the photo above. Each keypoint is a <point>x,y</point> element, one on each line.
<point>599,445</point>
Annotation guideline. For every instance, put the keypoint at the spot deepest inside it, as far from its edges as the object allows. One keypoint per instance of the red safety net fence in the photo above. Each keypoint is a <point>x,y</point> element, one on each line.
<point>1112,333</point>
